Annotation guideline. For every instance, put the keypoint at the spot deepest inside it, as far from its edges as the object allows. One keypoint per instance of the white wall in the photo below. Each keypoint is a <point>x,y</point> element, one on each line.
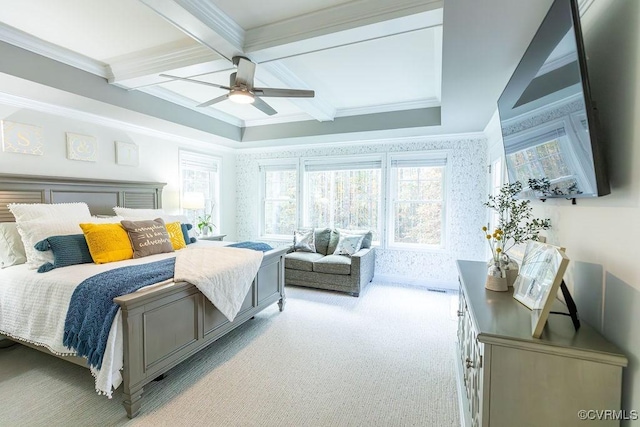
<point>466,215</point>
<point>602,235</point>
<point>158,159</point>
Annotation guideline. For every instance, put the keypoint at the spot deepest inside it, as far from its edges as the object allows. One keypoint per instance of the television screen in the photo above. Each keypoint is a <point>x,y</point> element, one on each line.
<point>547,116</point>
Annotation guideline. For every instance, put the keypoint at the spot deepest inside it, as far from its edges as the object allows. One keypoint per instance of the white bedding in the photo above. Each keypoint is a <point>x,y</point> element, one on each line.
<point>33,308</point>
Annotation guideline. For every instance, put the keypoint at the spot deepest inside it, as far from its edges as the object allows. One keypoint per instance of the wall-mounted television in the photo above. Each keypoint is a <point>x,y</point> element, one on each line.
<point>547,116</point>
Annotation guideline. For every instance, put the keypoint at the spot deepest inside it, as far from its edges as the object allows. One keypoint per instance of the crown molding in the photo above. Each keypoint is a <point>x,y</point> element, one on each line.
<point>385,108</point>
<point>158,59</point>
<point>70,113</point>
<point>368,142</point>
<point>216,19</point>
<point>31,43</point>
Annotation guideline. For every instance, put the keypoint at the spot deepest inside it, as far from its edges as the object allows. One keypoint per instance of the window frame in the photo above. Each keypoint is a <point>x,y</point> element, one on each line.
<point>355,160</point>
<point>391,196</point>
<point>274,164</point>
<point>215,184</point>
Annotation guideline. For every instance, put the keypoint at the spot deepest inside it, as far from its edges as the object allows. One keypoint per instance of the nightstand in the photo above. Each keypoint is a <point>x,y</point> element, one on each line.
<point>219,237</point>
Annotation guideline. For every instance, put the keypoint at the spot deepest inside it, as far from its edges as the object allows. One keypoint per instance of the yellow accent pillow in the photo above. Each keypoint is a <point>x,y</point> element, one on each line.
<point>175,235</point>
<point>107,242</point>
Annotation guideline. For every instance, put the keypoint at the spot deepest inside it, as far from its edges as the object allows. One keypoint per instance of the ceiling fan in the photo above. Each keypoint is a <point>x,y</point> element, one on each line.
<point>242,91</point>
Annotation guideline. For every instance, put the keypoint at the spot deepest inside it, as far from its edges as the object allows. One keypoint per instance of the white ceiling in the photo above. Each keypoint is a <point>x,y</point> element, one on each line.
<point>369,61</point>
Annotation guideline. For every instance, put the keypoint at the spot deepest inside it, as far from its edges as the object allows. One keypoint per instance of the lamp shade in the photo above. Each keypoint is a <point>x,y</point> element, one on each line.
<point>193,200</point>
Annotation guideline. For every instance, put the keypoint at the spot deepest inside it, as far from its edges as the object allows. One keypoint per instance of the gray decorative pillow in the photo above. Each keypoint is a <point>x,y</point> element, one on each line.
<point>304,240</point>
<point>148,237</point>
<point>349,244</point>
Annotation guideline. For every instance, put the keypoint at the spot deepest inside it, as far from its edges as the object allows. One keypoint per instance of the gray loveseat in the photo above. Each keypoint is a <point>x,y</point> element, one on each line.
<point>323,270</point>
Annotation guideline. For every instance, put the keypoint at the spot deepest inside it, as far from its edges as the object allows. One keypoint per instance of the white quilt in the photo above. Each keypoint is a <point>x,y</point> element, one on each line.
<point>223,275</point>
<point>33,306</point>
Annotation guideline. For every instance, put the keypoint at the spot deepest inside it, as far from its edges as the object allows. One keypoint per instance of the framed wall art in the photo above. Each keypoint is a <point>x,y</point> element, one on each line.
<point>82,147</point>
<point>127,153</point>
<point>21,138</point>
<point>538,281</point>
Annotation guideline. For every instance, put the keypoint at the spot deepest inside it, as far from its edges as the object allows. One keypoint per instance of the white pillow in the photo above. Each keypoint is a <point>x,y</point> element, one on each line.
<point>35,230</point>
<point>106,219</point>
<point>54,211</point>
<point>11,247</point>
<point>348,244</point>
<point>304,240</point>
<point>139,213</point>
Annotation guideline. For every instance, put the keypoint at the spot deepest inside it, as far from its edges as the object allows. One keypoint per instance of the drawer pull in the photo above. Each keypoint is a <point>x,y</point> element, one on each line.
<point>469,363</point>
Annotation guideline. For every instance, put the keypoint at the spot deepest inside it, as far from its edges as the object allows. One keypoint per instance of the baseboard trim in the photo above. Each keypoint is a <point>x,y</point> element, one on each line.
<point>437,285</point>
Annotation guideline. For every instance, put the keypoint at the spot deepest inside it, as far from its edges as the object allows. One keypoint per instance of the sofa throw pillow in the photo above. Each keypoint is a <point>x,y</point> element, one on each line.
<point>366,242</point>
<point>148,237</point>
<point>175,235</point>
<point>11,247</point>
<point>348,244</point>
<point>67,250</point>
<point>304,240</point>
<point>107,242</point>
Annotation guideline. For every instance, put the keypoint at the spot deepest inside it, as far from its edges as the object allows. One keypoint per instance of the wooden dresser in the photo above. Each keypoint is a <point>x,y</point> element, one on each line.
<point>507,378</point>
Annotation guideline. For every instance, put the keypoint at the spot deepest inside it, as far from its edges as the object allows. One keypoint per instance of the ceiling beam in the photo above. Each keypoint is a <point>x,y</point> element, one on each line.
<point>339,26</point>
<point>204,22</point>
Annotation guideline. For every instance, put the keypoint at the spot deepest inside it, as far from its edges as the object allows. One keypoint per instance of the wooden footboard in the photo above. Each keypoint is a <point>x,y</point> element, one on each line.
<point>166,325</point>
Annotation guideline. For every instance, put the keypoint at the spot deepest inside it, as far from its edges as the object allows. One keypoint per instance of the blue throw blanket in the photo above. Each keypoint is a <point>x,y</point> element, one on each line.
<point>256,246</point>
<point>92,310</point>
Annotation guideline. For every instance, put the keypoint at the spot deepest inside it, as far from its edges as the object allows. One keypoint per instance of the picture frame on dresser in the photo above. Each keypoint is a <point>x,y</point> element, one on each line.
<point>538,281</point>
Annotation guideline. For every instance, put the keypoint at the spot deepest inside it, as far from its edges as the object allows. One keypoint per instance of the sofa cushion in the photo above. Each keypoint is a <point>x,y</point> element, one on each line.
<point>335,238</point>
<point>322,240</point>
<point>301,260</point>
<point>333,264</point>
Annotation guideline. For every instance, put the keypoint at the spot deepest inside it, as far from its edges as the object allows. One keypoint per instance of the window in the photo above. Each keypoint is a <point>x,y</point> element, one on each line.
<point>343,193</point>
<point>279,194</point>
<point>417,200</point>
<point>199,175</point>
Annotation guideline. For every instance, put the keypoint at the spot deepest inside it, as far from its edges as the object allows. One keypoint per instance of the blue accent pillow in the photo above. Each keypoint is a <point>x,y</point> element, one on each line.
<point>67,250</point>
<point>185,232</point>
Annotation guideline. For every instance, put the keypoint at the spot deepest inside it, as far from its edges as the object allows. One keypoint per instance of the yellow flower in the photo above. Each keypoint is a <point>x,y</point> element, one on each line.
<point>498,237</point>
<point>488,236</point>
<point>498,250</point>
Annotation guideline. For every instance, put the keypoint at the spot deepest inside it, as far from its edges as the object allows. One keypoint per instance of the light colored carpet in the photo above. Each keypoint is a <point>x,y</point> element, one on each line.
<point>384,359</point>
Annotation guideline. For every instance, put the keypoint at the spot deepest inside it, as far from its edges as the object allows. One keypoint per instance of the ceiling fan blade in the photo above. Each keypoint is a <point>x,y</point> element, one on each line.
<point>284,93</point>
<point>214,101</point>
<point>186,79</point>
<point>263,106</point>
<point>246,71</point>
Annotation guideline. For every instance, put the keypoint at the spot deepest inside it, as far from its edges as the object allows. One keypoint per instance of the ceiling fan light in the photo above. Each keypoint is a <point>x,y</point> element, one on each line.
<point>241,97</point>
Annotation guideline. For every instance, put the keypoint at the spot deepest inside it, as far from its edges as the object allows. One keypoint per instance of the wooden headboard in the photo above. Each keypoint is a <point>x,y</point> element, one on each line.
<point>100,195</point>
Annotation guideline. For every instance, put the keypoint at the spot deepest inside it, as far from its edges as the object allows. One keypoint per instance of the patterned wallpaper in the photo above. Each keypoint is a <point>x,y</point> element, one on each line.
<point>465,212</point>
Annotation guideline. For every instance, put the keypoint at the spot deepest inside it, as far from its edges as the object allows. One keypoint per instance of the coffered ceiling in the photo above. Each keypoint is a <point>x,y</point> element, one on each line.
<point>401,68</point>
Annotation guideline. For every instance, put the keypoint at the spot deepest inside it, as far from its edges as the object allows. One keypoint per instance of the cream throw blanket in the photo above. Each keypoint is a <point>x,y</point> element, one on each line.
<point>223,275</point>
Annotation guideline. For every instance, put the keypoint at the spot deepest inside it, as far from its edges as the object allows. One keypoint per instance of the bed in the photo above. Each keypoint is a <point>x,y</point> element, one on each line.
<point>164,324</point>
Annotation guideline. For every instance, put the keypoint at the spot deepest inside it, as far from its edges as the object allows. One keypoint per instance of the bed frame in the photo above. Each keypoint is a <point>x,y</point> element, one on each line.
<point>162,326</point>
